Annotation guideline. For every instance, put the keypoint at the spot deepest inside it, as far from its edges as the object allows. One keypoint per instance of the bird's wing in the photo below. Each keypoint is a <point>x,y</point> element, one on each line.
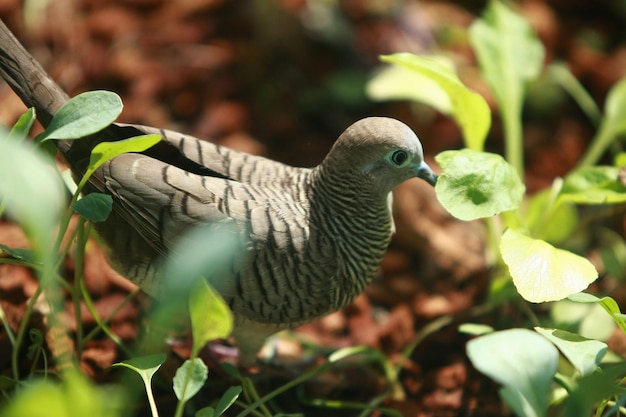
<point>232,164</point>
<point>162,201</point>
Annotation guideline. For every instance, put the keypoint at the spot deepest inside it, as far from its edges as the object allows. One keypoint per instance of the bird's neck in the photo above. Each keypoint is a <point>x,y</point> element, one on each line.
<point>355,221</point>
<point>348,187</point>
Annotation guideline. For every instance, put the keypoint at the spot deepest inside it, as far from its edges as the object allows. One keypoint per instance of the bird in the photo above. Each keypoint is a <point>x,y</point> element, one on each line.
<point>314,237</point>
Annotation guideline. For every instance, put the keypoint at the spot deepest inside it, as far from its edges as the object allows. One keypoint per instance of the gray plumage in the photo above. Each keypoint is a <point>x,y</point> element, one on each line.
<point>314,237</point>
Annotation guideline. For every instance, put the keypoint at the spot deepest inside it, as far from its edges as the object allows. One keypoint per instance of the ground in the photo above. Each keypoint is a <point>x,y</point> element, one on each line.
<point>283,79</point>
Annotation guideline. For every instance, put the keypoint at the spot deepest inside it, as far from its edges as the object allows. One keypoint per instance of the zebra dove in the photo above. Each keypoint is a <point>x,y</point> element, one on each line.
<point>314,237</point>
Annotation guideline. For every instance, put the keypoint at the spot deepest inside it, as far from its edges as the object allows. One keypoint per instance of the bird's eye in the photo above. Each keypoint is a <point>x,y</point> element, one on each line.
<point>399,157</point>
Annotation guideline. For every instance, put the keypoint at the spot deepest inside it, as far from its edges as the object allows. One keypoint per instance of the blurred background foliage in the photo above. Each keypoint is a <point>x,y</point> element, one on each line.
<point>283,78</point>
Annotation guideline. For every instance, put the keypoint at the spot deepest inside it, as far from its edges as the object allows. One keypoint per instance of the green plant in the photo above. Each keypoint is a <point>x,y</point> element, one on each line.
<point>33,198</point>
<point>523,234</point>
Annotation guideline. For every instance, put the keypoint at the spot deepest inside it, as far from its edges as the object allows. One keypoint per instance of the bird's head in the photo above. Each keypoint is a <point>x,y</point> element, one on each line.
<point>383,151</point>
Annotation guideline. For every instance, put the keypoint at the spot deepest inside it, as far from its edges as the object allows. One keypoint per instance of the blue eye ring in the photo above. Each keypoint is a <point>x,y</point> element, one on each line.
<point>399,157</point>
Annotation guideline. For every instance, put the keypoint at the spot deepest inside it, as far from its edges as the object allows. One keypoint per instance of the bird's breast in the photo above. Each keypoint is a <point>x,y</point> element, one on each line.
<point>308,267</point>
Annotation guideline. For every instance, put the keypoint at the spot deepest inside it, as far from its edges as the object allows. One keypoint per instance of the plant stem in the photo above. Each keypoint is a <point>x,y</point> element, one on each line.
<point>284,388</point>
<point>79,258</point>
<point>566,79</point>
<point>598,145</point>
<point>350,405</point>
<point>7,327</point>
<point>252,395</point>
<point>102,323</point>
<point>426,331</point>
<point>180,405</point>
<point>513,137</point>
<point>153,407</point>
<point>21,331</point>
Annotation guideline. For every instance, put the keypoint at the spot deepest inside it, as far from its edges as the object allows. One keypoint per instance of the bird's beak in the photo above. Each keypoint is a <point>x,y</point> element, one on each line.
<point>426,173</point>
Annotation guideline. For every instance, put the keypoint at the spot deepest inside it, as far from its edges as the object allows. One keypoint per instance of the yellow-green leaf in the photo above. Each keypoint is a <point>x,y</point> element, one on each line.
<point>542,272</point>
<point>106,151</point>
<point>469,109</point>
<point>475,185</point>
<point>397,82</point>
<point>210,316</point>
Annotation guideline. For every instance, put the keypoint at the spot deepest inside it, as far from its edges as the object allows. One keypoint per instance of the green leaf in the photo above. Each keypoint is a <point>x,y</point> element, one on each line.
<point>590,320</point>
<point>585,354</point>
<point>510,56</point>
<point>516,402</point>
<point>607,303</point>
<point>36,343</point>
<point>190,378</point>
<point>591,389</point>
<point>231,370</point>
<point>341,354</point>
<point>477,184</point>
<point>105,151</point>
<point>594,185</point>
<point>523,362</point>
<point>542,272</point>
<point>205,412</point>
<point>469,109</point>
<point>613,252</point>
<point>549,218</point>
<point>597,324</point>
<point>25,255</point>
<point>475,329</point>
<point>95,207</point>
<point>76,396</point>
<point>228,399</point>
<point>584,297</point>
<point>398,82</point>
<point>32,192</point>
<point>83,115</point>
<point>508,51</point>
<point>615,106</point>
<point>145,366</point>
<point>211,317</point>
<point>22,127</point>
<point>205,251</point>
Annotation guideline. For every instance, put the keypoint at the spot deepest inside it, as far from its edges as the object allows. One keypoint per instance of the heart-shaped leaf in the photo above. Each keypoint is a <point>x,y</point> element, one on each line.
<point>477,184</point>
<point>210,316</point>
<point>542,272</point>
<point>190,378</point>
<point>145,367</point>
<point>523,362</point>
<point>95,207</point>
